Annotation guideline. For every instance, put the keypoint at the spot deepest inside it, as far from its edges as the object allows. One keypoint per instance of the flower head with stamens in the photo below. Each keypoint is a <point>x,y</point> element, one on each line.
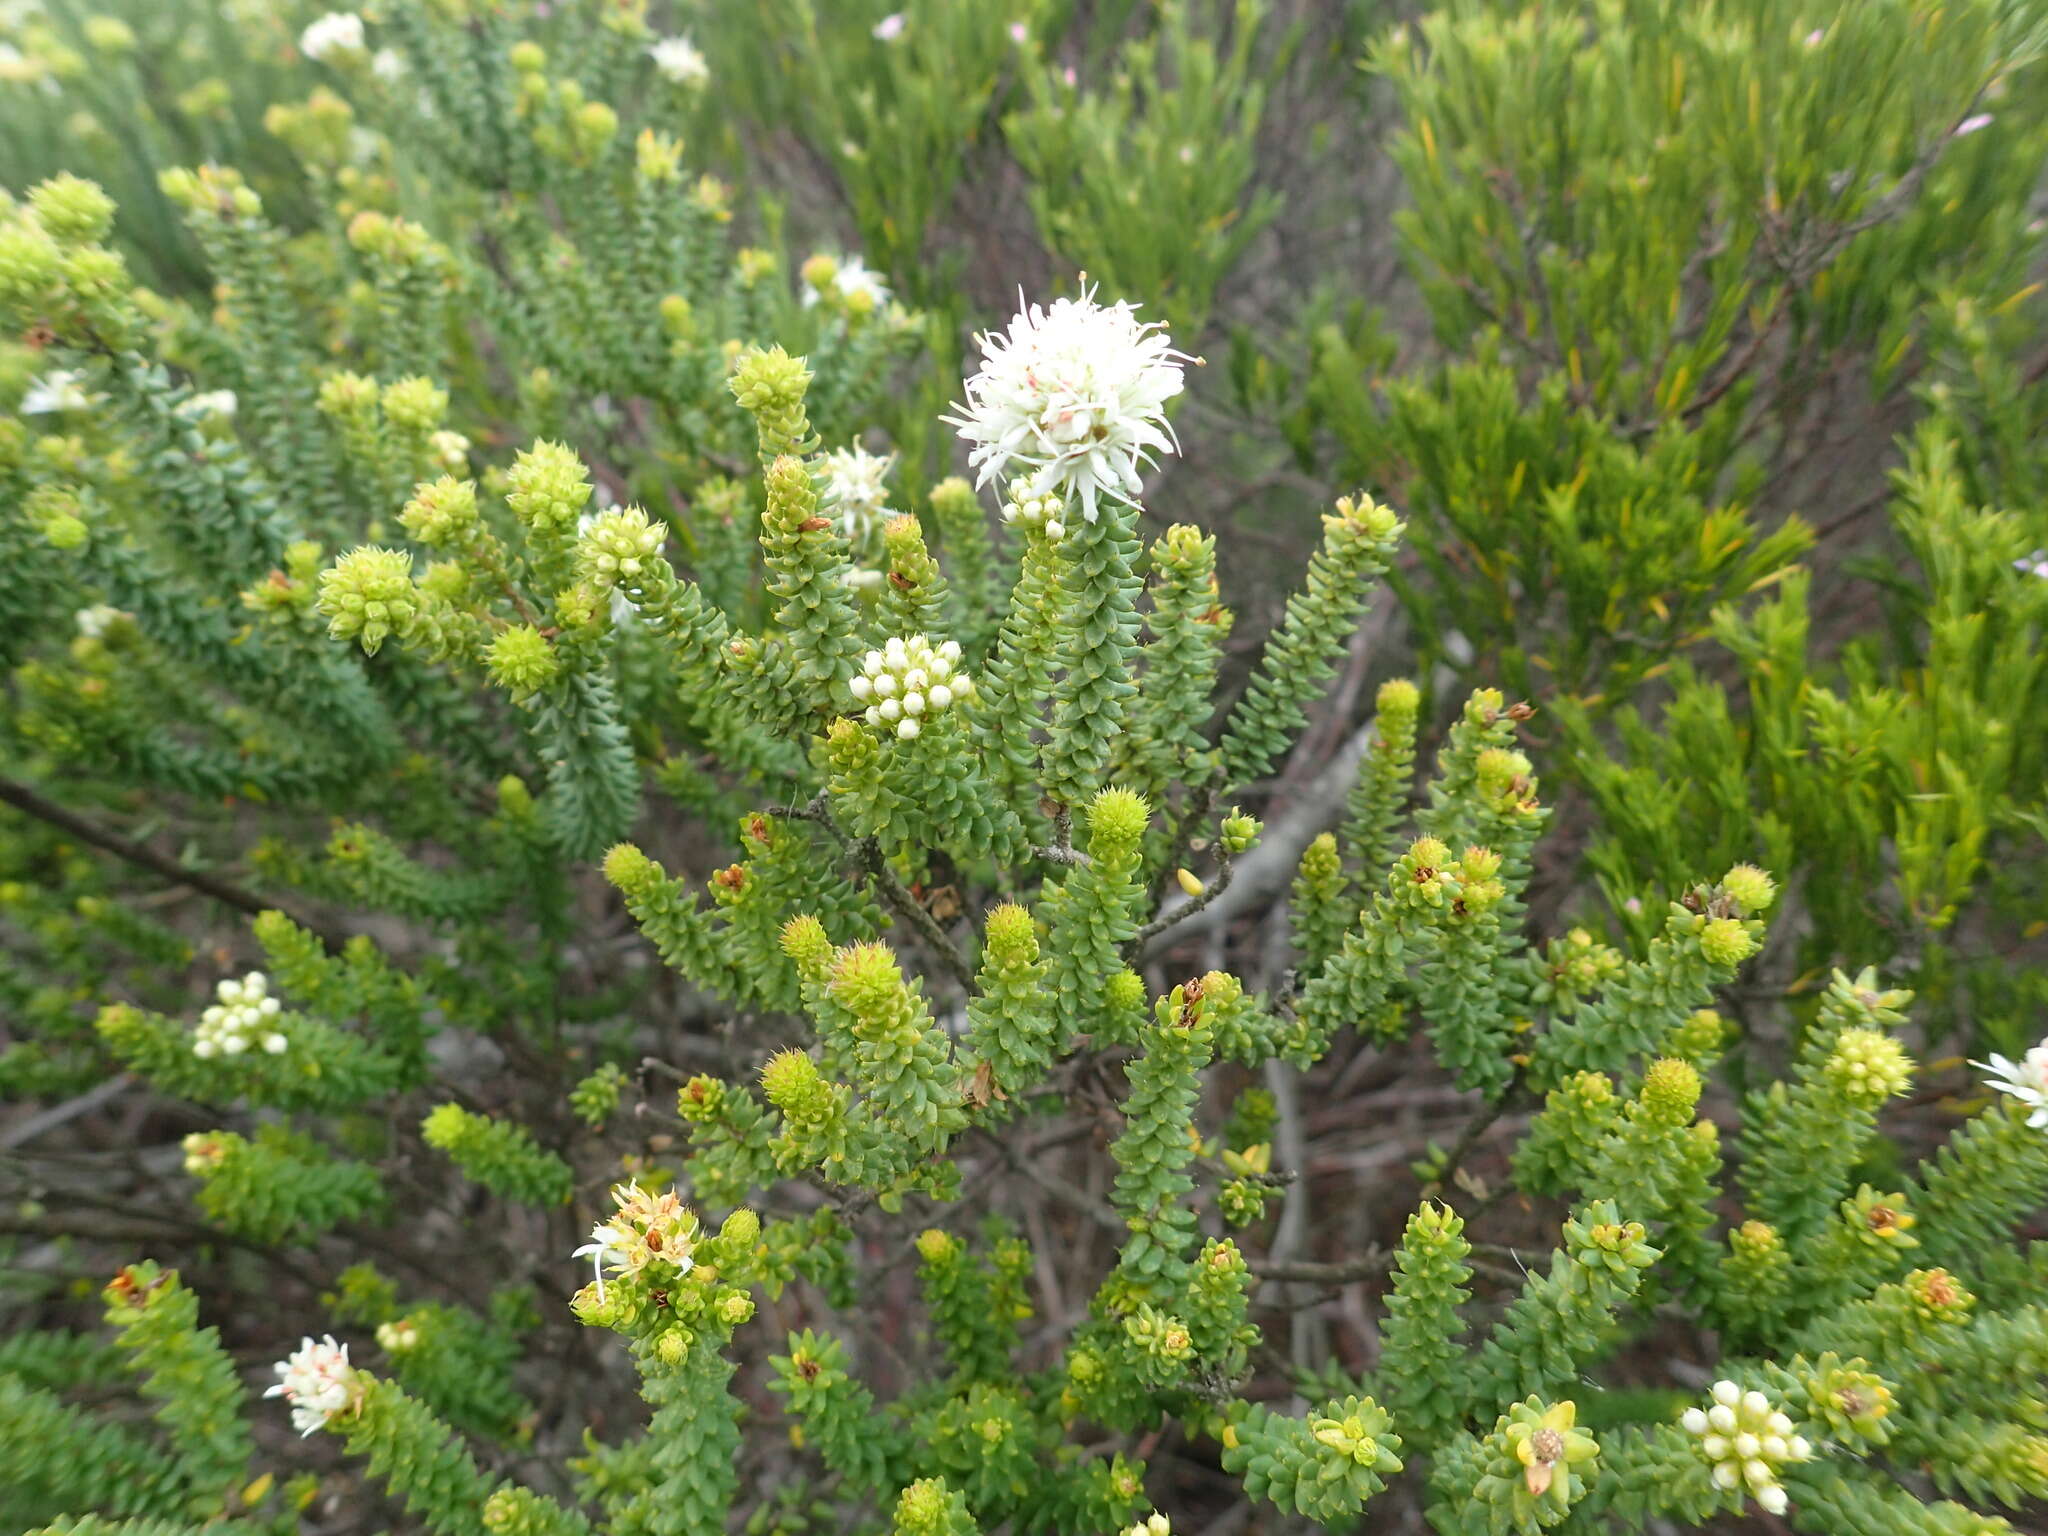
<point>2025,1080</point>
<point>646,1231</point>
<point>314,1379</point>
<point>1072,397</point>
<point>857,496</point>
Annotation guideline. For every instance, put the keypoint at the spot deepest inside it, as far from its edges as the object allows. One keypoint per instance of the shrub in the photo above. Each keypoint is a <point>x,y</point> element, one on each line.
<point>520,754</point>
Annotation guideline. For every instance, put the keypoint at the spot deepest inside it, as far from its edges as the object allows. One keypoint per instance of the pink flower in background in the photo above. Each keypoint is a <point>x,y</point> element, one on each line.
<point>889,28</point>
<point>1970,125</point>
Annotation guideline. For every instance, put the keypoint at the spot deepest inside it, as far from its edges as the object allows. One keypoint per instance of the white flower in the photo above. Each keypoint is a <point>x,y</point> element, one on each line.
<point>214,403</point>
<point>388,65</point>
<point>1075,397</point>
<point>855,492</point>
<point>2025,1079</point>
<point>646,1229</point>
<point>889,28</point>
<point>336,32</point>
<point>679,59</point>
<point>853,278</point>
<point>244,1016</point>
<point>1020,32</point>
<point>906,680</point>
<point>1745,1441</point>
<point>2035,564</point>
<point>1971,124</point>
<point>94,622</point>
<point>63,390</point>
<point>314,1380</point>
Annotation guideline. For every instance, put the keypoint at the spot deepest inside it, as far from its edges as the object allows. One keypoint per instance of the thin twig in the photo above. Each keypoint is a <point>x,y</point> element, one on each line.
<point>22,798</point>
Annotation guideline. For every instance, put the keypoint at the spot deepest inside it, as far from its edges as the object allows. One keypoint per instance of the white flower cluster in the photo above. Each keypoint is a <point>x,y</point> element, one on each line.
<point>244,1016</point>
<point>1024,510</point>
<point>2025,1079</point>
<point>336,32</point>
<point>314,1380</point>
<point>1154,1524</point>
<point>396,1338</point>
<point>1747,1440</point>
<point>1076,394</point>
<point>679,60</point>
<point>909,679</point>
<point>856,494</point>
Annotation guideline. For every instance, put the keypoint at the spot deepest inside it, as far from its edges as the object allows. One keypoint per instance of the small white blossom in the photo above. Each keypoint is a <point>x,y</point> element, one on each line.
<point>907,681</point>
<point>63,390</point>
<point>215,403</point>
<point>94,622</point>
<point>2025,1079</point>
<point>680,60</point>
<point>1020,32</point>
<point>856,494</point>
<point>646,1229</point>
<point>1074,397</point>
<point>388,65</point>
<point>397,1337</point>
<point>2035,564</point>
<point>314,1380</point>
<point>851,279</point>
<point>889,28</point>
<point>1154,1524</point>
<point>1745,1441</point>
<point>450,450</point>
<point>336,32</point>
<point>244,1016</point>
<point>1972,124</point>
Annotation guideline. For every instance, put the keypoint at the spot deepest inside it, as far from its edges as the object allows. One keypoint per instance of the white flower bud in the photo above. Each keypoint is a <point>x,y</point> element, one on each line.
<point>1800,1449</point>
<point>275,1044</point>
<point>1746,1446</point>
<point>1778,1424</point>
<point>1773,1448</point>
<point>860,687</point>
<point>873,715</point>
<point>1694,1421</point>
<point>1756,1405</point>
<point>941,695</point>
<point>1722,1417</point>
<point>916,680</point>
<point>1715,1447</point>
<point>1727,1394</point>
<point>1772,1499</point>
<point>907,729</point>
<point>891,709</point>
<point>234,1045</point>
<point>950,650</point>
<point>885,685</point>
<point>1725,1475</point>
<point>873,661</point>
<point>204,1049</point>
<point>1055,530</point>
<point>1756,1474</point>
<point>269,1007</point>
